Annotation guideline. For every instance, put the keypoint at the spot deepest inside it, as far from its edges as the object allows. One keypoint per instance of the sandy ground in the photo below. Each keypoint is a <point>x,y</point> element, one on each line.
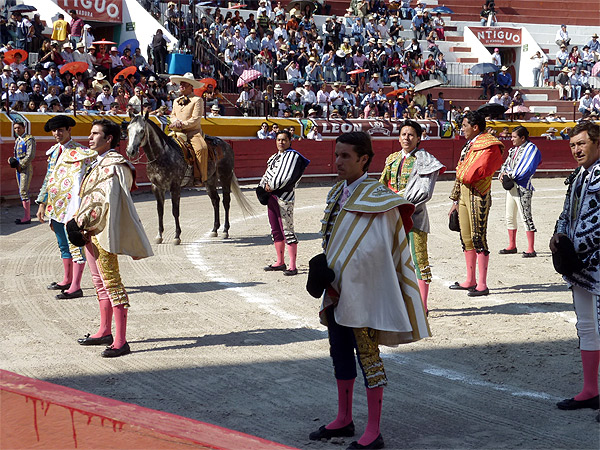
<point>217,339</point>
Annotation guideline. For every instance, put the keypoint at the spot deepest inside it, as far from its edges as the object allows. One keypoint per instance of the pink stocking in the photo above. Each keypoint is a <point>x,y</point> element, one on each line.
<point>590,359</point>
<point>424,289</point>
<point>77,274</point>
<point>483,261</point>
<point>512,239</point>
<point>344,416</point>
<point>68,268</point>
<point>471,260</point>
<point>120,313</point>
<point>374,403</point>
<point>530,241</point>
<point>280,250</point>
<point>106,309</point>
<point>27,208</point>
<point>292,252</point>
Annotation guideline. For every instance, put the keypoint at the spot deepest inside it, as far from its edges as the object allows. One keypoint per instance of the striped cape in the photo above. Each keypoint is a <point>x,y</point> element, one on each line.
<point>521,163</point>
<point>374,274</point>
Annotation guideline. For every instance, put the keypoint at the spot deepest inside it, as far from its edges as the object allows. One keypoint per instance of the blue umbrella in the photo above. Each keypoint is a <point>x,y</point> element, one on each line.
<point>481,68</point>
<point>442,9</point>
<point>129,43</point>
<point>22,8</point>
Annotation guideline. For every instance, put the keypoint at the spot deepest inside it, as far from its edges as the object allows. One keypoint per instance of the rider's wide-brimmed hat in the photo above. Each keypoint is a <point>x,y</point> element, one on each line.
<point>188,78</point>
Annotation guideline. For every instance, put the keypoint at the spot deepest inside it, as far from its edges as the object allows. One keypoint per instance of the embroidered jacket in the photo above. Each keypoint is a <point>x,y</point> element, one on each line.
<point>25,151</point>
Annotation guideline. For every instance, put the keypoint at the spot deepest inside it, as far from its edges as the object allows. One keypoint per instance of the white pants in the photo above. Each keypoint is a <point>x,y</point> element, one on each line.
<point>587,308</point>
<point>518,200</point>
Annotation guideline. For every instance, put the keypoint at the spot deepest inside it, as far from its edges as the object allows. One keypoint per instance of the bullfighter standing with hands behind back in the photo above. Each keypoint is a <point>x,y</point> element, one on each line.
<point>22,163</point>
<point>576,255</point>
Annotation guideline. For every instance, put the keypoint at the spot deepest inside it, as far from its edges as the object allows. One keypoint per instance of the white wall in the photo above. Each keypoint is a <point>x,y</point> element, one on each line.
<point>145,26</point>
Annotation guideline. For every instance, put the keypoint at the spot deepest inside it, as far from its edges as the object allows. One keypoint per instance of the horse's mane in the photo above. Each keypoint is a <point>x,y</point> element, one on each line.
<point>165,140</point>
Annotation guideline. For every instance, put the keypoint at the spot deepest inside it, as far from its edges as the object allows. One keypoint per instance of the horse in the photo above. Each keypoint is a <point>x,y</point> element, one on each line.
<point>166,168</point>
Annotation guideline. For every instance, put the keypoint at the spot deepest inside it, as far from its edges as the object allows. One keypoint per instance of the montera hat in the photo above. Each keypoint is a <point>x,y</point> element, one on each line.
<point>59,121</point>
<point>188,78</point>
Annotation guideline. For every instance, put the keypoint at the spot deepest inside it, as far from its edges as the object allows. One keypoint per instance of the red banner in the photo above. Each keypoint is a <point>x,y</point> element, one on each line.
<point>500,36</point>
<point>95,10</point>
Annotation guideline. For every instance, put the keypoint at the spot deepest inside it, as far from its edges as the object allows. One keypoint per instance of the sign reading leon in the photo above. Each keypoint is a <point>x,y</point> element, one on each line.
<point>500,36</point>
<point>95,10</point>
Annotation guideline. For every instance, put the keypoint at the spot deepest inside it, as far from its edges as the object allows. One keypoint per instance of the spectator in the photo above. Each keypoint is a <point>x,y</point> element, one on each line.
<point>60,29</point>
<point>314,134</point>
<point>438,24</point>
<point>538,61</point>
<point>563,84</point>
<point>75,28</point>
<point>504,80</point>
<point>550,134</point>
<point>105,98</point>
<point>585,104</point>
<point>562,36</point>
<point>159,52</point>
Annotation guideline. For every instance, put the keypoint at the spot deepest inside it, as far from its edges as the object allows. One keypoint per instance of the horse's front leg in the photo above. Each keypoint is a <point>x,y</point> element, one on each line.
<point>226,204</point>
<point>160,209</point>
<point>175,199</point>
<point>214,198</point>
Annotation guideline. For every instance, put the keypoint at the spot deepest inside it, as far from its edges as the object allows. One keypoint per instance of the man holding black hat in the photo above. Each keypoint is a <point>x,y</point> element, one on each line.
<point>68,161</point>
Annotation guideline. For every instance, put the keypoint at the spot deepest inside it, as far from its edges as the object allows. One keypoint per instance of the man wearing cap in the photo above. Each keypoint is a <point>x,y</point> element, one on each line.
<point>59,199</point>
<point>22,160</point>
<point>185,118</point>
<point>108,225</point>
<point>562,36</point>
<point>253,42</point>
<point>594,46</point>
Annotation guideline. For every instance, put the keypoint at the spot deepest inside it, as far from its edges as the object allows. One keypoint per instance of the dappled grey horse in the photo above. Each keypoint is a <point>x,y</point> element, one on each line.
<point>167,168</point>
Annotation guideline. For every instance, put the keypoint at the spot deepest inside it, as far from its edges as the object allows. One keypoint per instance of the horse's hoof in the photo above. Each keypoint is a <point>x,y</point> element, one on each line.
<point>213,234</point>
<point>225,235</point>
<point>158,240</point>
<point>176,241</point>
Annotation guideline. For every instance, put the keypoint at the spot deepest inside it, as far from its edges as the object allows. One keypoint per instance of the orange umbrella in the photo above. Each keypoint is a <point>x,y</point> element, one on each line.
<point>396,92</point>
<point>74,67</point>
<point>125,72</point>
<point>104,42</point>
<point>9,56</point>
<point>200,91</point>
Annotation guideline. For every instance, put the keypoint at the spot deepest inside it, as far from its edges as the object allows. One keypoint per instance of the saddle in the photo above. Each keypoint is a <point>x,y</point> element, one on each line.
<point>184,145</point>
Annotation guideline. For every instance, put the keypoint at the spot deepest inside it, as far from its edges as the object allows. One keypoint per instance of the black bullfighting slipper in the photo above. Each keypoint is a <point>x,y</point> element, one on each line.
<point>272,268</point>
<point>22,222</point>
<point>571,403</point>
<point>457,286</point>
<point>476,293</point>
<point>325,433</point>
<point>290,272</point>
<point>529,255</point>
<point>64,295</point>
<point>104,340</point>
<point>54,286</point>
<point>112,352</point>
<point>506,251</point>
<point>377,443</point>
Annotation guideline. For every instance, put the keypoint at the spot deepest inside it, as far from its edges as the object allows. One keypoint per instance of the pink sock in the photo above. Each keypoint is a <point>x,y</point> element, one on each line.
<point>120,314</point>
<point>344,416</point>
<point>292,252</point>
<point>77,274</point>
<point>280,249</point>
<point>530,241</point>
<point>374,403</point>
<point>512,239</point>
<point>68,268</point>
<point>590,359</point>
<point>424,289</point>
<point>106,313</point>
<point>482,261</point>
<point>27,208</point>
<point>471,260</point>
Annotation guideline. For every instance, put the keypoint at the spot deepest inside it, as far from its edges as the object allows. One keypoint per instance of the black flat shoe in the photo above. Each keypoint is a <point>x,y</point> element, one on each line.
<point>104,340</point>
<point>377,443</point>
<point>112,352</point>
<point>476,293</point>
<point>505,251</point>
<point>529,255</point>
<point>64,295</point>
<point>324,433</point>
<point>21,222</point>
<point>54,286</point>
<point>290,272</point>
<point>272,268</point>
<point>571,403</point>
<point>457,286</point>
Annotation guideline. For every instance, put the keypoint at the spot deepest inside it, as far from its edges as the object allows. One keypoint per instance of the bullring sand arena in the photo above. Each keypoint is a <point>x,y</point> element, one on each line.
<point>216,339</point>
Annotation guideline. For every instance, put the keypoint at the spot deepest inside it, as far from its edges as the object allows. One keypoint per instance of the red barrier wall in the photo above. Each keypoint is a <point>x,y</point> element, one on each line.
<point>251,157</point>
<point>37,414</point>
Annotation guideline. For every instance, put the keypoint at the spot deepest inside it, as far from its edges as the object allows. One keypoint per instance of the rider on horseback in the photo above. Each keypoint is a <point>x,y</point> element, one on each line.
<point>185,118</point>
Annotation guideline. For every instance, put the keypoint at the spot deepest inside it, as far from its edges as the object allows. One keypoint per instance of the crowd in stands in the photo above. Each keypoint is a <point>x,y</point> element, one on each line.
<point>338,69</point>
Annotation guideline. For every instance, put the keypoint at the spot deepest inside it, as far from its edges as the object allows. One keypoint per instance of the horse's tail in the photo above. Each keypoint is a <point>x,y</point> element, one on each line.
<point>247,209</point>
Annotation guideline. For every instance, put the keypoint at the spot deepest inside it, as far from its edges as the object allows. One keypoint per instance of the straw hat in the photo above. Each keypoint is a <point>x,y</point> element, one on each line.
<point>214,108</point>
<point>87,103</point>
<point>278,87</point>
<point>504,68</point>
<point>188,78</point>
<point>551,130</point>
<point>99,76</point>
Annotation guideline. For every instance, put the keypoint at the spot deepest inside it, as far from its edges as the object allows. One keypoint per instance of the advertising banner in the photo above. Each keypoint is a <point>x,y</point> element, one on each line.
<point>498,36</point>
<point>95,10</point>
